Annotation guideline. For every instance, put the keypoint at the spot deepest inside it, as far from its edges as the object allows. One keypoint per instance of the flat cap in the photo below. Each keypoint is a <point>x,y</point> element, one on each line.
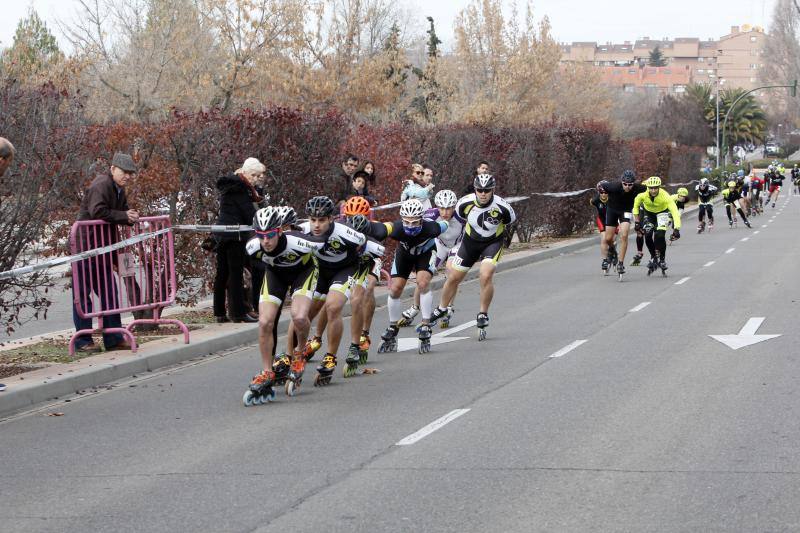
<point>124,162</point>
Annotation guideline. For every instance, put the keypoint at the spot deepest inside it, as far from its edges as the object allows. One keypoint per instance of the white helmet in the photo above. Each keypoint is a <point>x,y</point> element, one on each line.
<point>267,218</point>
<point>445,198</point>
<point>288,215</point>
<point>411,208</point>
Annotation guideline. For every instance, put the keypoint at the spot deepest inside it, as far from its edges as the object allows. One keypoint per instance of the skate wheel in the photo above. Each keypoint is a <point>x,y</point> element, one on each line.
<point>363,357</point>
<point>291,388</point>
<point>248,398</point>
<point>482,334</point>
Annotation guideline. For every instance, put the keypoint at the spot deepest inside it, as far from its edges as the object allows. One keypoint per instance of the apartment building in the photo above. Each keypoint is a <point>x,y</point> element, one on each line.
<point>734,58</point>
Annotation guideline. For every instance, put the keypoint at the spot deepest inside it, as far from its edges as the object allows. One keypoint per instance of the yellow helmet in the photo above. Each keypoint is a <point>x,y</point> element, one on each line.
<point>683,191</point>
<point>731,184</point>
<point>652,181</point>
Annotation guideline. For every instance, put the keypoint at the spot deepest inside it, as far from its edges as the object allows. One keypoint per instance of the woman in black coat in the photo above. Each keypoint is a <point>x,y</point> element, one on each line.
<point>237,206</point>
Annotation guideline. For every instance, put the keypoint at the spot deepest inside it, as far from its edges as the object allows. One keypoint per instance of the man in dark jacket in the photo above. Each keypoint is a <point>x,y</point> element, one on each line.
<point>105,199</point>
<point>345,180</point>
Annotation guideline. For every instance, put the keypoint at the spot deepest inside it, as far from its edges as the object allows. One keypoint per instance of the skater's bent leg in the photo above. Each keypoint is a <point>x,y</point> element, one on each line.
<point>267,311</point>
<point>333,309</point>
<point>624,232</point>
<point>487,284</point>
<point>301,305</point>
<point>454,278</point>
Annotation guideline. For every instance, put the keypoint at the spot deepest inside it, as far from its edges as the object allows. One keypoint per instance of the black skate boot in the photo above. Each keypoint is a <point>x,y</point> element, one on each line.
<point>604,266</point>
<point>281,368</point>
<point>437,315</point>
<point>747,223</point>
<point>612,255</point>
<point>389,340</point>
<point>620,270</point>
<point>424,331</point>
<point>701,227</point>
<point>325,370</point>
<point>637,260</point>
<point>408,316</point>
<point>351,361</point>
<point>663,266</point>
<point>482,322</point>
<point>652,266</point>
<point>260,390</point>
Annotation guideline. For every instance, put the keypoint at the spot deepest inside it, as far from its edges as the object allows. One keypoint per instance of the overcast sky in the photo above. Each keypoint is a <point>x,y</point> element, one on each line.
<point>572,20</point>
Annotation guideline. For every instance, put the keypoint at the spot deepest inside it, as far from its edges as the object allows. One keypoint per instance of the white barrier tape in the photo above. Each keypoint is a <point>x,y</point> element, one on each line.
<point>212,228</point>
<point>687,183</point>
<point>387,206</point>
<point>562,194</point>
<point>17,272</point>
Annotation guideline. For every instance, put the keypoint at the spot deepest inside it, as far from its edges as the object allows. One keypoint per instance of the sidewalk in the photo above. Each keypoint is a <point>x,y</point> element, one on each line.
<point>55,381</point>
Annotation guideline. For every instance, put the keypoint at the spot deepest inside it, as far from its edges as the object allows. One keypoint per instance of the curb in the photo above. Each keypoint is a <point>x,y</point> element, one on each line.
<point>41,385</point>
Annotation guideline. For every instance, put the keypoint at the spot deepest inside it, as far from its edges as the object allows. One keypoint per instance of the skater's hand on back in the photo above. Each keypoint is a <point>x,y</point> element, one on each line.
<point>676,234</point>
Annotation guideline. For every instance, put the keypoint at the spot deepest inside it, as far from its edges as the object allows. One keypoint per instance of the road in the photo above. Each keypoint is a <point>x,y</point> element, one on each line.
<point>649,425</point>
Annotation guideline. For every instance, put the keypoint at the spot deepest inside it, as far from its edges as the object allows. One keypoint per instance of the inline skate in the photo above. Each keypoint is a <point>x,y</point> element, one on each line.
<point>281,368</point>
<point>482,322</point>
<point>295,376</point>
<point>389,340</point>
<point>260,390</point>
<point>448,317</point>
<point>312,345</point>
<point>351,361</point>
<point>363,347</point>
<point>424,332</point>
<point>407,317</point>
<point>637,259</point>
<point>325,370</point>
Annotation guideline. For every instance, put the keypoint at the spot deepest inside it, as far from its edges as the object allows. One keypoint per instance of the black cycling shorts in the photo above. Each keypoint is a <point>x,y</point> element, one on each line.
<point>405,263</point>
<point>470,251</point>
<point>339,280</point>
<point>615,217</point>
<point>297,281</point>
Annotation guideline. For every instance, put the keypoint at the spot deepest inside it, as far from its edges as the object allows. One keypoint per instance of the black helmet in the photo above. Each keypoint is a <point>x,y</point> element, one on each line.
<point>319,206</point>
<point>628,177</point>
<point>359,223</point>
<point>484,181</point>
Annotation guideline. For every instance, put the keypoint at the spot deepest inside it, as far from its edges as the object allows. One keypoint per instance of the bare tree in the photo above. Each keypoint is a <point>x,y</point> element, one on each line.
<point>783,50</point>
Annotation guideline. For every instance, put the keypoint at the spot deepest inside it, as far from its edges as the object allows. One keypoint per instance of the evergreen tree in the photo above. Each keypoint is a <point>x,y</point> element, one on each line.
<point>657,58</point>
<point>431,97</point>
<point>33,50</point>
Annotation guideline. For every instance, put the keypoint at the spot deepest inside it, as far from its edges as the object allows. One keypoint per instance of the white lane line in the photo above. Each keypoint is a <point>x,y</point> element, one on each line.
<point>568,348</point>
<point>433,426</point>
<point>709,263</point>
<point>683,280</point>
<point>744,239</point>
<point>639,307</point>
<point>729,250</point>
<point>763,225</point>
<point>756,232</point>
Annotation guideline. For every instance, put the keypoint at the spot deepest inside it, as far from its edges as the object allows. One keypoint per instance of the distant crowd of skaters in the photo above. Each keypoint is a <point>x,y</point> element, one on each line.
<point>336,256</point>
<point>653,211</point>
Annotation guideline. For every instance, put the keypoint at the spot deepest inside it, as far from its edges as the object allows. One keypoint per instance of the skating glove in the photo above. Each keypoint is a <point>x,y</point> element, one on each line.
<point>676,234</point>
<point>637,226</point>
<point>600,187</point>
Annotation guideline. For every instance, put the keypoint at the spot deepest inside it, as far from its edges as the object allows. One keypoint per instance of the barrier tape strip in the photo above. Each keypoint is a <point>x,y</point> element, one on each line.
<point>212,228</point>
<point>81,256</point>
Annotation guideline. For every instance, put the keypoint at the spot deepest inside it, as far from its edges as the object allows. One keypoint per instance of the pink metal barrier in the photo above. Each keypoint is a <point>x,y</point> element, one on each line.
<point>136,278</point>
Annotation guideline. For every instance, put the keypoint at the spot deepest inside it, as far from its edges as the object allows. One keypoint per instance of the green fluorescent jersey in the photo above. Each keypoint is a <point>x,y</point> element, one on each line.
<point>662,202</point>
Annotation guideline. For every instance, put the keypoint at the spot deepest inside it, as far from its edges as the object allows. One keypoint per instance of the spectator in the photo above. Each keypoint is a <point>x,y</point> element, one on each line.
<point>359,187</point>
<point>349,167</point>
<point>369,168</point>
<point>105,199</point>
<point>427,175</point>
<point>237,199</point>
<point>415,187</point>
<point>482,168</point>
<point>6,158</point>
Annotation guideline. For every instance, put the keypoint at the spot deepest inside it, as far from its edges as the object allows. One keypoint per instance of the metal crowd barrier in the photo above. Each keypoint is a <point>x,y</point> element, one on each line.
<point>137,278</point>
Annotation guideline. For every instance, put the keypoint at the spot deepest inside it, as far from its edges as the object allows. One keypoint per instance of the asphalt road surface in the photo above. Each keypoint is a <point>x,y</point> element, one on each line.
<point>648,425</point>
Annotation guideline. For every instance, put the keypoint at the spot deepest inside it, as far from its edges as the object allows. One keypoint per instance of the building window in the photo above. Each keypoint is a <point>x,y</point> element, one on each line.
<point>679,88</point>
<point>700,71</point>
<point>700,59</point>
<point>628,88</point>
<point>753,66</point>
<point>753,39</point>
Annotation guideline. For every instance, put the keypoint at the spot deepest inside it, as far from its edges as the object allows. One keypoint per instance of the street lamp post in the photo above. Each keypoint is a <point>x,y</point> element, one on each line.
<point>716,98</point>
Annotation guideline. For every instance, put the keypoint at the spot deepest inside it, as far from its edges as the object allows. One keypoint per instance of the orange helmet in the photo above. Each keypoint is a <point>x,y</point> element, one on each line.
<point>356,205</point>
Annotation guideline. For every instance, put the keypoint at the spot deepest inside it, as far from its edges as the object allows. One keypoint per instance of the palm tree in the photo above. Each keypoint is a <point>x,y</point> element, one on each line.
<point>747,121</point>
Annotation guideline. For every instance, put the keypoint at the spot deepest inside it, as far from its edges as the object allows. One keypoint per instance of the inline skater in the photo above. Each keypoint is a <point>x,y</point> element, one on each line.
<point>621,196</point>
<point>338,260</point>
<point>652,210</point>
<point>705,193</point>
<point>445,202</point>
<point>775,184</point>
<point>680,198</point>
<point>756,186</point>
<point>416,237</point>
<point>796,179</point>
<point>290,268</point>
<point>731,196</point>
<point>485,217</point>
<point>600,202</point>
<point>369,272</point>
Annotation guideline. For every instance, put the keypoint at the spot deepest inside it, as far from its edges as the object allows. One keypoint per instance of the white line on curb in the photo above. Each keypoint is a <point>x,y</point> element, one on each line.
<point>683,280</point>
<point>433,426</point>
<point>568,348</point>
<point>729,250</point>
<point>639,307</point>
<point>709,263</point>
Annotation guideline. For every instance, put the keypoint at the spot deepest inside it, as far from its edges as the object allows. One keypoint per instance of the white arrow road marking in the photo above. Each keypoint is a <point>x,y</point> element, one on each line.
<point>746,336</point>
<point>405,344</point>
<point>568,348</point>
<point>433,426</point>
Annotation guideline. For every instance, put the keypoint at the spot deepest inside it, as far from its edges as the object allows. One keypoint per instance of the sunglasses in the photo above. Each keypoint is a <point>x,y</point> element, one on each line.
<point>268,234</point>
<point>418,172</point>
<point>483,191</point>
